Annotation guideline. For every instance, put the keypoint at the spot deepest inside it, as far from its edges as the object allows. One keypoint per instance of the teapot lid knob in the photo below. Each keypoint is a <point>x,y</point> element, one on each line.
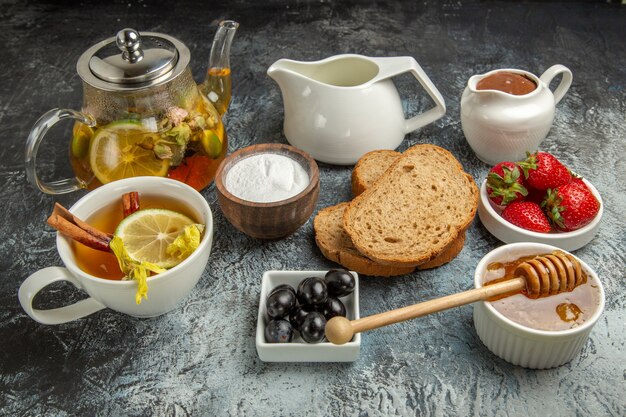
<point>146,59</point>
<point>129,42</point>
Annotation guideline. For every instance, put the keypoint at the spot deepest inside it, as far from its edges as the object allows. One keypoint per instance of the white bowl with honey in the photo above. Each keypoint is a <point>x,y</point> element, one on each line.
<point>540,333</point>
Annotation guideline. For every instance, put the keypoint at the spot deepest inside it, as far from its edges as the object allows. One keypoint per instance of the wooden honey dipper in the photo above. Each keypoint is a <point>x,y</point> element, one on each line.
<point>541,276</point>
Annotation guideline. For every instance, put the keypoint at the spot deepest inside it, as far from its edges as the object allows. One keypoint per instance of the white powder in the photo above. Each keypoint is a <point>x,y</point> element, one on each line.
<point>266,178</point>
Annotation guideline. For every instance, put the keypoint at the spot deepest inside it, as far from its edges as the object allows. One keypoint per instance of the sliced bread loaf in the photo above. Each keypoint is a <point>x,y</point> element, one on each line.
<point>370,167</point>
<point>336,245</point>
<point>415,211</point>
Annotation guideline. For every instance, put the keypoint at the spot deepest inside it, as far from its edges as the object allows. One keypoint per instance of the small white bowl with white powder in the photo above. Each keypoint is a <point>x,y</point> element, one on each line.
<point>266,178</point>
<point>268,190</point>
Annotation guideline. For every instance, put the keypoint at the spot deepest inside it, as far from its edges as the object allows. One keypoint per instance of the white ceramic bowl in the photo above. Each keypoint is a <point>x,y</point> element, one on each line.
<point>489,215</point>
<point>298,350</point>
<point>521,345</point>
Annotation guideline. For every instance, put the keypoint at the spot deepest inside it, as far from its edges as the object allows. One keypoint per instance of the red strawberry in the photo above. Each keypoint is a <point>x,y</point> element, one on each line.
<point>571,206</point>
<point>542,171</point>
<point>536,196</point>
<point>505,184</point>
<point>527,215</point>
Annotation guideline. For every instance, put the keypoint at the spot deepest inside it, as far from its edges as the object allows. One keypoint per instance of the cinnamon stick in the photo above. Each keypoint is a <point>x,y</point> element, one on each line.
<point>130,203</point>
<point>76,233</point>
<point>76,229</point>
<point>65,213</point>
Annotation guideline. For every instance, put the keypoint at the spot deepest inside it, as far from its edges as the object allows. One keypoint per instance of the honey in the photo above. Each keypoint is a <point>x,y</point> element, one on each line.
<point>556,312</point>
<point>104,264</point>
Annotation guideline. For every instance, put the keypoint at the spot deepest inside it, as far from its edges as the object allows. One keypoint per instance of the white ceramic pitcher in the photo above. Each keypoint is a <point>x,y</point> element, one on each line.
<point>344,106</point>
<point>502,127</point>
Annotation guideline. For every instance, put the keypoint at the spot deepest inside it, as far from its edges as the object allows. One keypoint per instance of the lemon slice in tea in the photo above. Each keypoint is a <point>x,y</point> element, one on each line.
<point>116,153</point>
<point>81,137</point>
<point>147,234</point>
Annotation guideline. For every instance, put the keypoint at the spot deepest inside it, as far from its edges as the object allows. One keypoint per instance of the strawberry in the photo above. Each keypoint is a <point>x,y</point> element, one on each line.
<point>536,196</point>
<point>527,215</point>
<point>542,171</point>
<point>505,184</point>
<point>571,206</point>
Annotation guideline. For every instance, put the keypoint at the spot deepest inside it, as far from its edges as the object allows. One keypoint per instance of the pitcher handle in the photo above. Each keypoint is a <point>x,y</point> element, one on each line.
<point>565,83</point>
<point>390,67</point>
<point>39,130</point>
<point>44,277</point>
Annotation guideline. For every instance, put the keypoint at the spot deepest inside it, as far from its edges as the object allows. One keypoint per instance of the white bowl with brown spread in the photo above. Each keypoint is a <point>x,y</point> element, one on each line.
<point>535,333</point>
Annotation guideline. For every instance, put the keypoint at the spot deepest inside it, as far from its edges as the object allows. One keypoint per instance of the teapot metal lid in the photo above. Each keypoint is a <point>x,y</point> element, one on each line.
<point>133,61</point>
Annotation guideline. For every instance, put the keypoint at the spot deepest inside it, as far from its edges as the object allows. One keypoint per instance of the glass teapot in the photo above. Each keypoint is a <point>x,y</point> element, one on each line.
<point>142,113</point>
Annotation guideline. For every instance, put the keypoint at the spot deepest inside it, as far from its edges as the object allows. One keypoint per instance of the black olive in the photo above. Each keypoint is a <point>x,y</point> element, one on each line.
<point>339,282</point>
<point>280,303</point>
<point>313,327</point>
<point>278,331</point>
<point>312,291</point>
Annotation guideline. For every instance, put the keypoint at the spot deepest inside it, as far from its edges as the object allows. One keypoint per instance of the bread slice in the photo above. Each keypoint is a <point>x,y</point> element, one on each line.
<point>447,255</point>
<point>336,245</point>
<point>415,211</point>
<point>370,167</point>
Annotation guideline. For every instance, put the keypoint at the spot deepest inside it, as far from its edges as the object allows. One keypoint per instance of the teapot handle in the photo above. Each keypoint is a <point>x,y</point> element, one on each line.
<point>390,67</point>
<point>563,86</point>
<point>37,133</point>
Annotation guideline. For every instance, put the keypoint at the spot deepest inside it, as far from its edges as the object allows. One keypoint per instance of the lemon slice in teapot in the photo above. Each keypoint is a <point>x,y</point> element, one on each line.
<point>211,143</point>
<point>122,150</point>
<point>81,137</point>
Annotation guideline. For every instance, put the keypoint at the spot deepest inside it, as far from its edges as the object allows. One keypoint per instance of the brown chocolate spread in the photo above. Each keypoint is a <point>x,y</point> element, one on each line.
<point>508,82</point>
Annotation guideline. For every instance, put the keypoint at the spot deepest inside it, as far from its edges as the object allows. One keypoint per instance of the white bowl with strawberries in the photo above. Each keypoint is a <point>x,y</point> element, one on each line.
<point>539,200</point>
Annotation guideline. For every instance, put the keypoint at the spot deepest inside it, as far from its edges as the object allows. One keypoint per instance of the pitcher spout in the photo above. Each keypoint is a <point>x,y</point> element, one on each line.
<point>473,82</point>
<point>217,85</point>
<point>285,69</point>
<point>289,75</point>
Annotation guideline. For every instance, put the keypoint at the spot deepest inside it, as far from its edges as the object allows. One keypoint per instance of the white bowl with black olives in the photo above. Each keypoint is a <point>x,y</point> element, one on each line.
<point>294,307</point>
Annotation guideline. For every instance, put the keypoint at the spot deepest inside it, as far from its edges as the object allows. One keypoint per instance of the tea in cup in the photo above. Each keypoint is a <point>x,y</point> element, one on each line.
<point>165,290</point>
<point>508,112</point>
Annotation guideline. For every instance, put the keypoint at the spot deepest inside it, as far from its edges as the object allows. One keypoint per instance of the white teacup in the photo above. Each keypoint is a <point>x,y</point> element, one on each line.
<point>166,290</point>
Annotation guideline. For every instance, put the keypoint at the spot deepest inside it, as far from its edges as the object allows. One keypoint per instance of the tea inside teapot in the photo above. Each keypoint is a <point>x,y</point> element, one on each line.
<point>184,143</point>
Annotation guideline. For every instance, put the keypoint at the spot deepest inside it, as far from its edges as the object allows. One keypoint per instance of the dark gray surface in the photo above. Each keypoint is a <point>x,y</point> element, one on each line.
<point>200,359</point>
